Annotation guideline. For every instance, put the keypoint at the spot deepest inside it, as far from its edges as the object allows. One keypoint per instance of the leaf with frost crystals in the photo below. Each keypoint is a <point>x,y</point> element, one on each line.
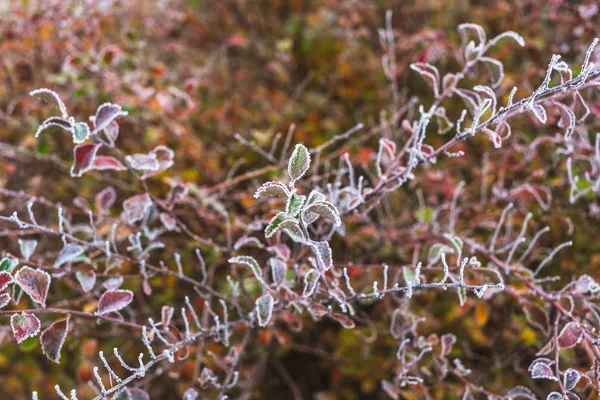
<point>53,338</point>
<point>299,162</point>
<point>50,96</point>
<point>264,309</point>
<point>114,300</point>
<point>34,282</point>
<point>249,262</point>
<point>271,189</point>
<point>24,326</point>
<point>68,253</point>
<point>107,113</point>
<point>27,247</point>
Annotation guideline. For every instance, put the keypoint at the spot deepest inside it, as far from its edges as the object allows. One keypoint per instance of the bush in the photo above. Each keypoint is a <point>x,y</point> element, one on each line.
<point>444,249</point>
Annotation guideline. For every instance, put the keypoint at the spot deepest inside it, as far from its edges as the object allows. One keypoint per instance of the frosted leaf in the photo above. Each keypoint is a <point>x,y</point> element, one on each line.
<point>50,96</point>
<point>102,163</point>
<point>326,210</point>
<point>429,72</point>
<point>27,247</point>
<point>81,131</point>
<point>344,320</point>
<point>5,280</point>
<point>569,335</point>
<point>278,270</point>
<point>54,122</point>
<point>143,162</point>
<point>467,29</point>
<point>249,262</point>
<point>136,207</point>
<point>131,394</point>
<point>34,282</point>
<point>294,204</point>
<point>315,196</point>
<point>83,158</point>
<point>8,264</point>
<point>509,34</point>
<point>567,119</point>
<point>496,69</point>
<point>106,198</point>
<point>4,299</point>
<point>281,250</point>
<point>247,240</point>
<point>323,253</point>
<point>24,326</point>
<point>554,396</point>
<point>271,189</point>
<point>317,310</point>
<point>521,392</point>
<point>338,295</point>
<point>310,282</point>
<point>277,222</point>
<point>112,132</point>
<point>471,98</point>
<point>114,300</point>
<point>264,309</point>
<point>435,252</point>
<point>164,156</point>
<point>107,113</point>
<point>586,284</point>
<point>113,283</point>
<point>570,378</point>
<point>67,254</point>
<point>53,338</point>
<point>540,113</point>
<point>299,162</point>
<point>87,280</point>
<point>541,369</point>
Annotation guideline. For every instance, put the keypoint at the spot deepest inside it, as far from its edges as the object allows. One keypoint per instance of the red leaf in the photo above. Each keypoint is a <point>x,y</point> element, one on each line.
<point>106,198</point>
<point>83,158</point>
<point>53,338</point>
<point>24,326</point>
<point>344,320</point>
<point>114,300</point>
<point>35,283</point>
<point>4,299</point>
<point>5,280</point>
<point>569,336</point>
<point>102,163</point>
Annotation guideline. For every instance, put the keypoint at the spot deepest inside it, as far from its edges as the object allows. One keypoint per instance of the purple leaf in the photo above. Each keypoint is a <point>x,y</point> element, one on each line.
<point>83,158</point>
<point>541,369</point>
<point>53,338</point>
<point>107,113</point>
<point>135,208</point>
<point>106,198</point>
<point>87,280</point>
<point>54,122</point>
<point>68,253</point>
<point>5,280</point>
<point>112,132</point>
<point>35,283</point>
<point>448,341</point>
<point>24,326</point>
<point>569,336</point>
<point>114,300</point>
<point>570,378</point>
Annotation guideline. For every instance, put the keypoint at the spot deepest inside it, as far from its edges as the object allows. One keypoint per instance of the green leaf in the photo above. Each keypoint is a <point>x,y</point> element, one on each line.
<point>7,264</point>
<point>299,162</point>
<point>81,131</point>
<point>436,250</point>
<point>294,204</point>
<point>264,309</point>
<point>249,262</point>
<point>424,214</point>
<point>310,282</point>
<point>275,225</point>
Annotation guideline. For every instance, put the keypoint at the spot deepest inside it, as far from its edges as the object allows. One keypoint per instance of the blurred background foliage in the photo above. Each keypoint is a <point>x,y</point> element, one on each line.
<point>192,73</point>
